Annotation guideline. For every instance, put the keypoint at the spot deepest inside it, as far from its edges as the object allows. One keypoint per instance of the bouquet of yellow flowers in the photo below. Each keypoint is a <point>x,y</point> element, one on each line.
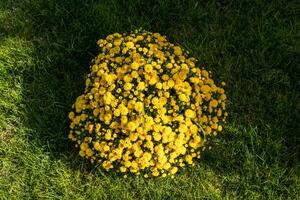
<point>146,108</point>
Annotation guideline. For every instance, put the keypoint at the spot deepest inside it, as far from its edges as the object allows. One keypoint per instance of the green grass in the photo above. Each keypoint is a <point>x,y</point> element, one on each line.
<point>45,51</point>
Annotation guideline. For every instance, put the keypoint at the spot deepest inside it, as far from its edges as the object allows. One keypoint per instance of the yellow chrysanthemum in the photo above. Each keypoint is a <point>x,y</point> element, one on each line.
<point>127,86</point>
<point>148,68</point>
<point>190,114</point>
<point>213,103</point>
<point>130,44</point>
<point>139,106</point>
<point>146,108</point>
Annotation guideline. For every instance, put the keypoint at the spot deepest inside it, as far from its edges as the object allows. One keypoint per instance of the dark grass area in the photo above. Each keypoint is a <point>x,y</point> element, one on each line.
<point>46,48</point>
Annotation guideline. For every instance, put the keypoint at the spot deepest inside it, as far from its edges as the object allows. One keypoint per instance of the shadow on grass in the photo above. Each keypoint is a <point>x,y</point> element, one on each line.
<point>65,35</point>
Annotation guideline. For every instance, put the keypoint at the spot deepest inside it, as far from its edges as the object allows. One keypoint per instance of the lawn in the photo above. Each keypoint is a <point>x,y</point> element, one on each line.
<point>45,51</point>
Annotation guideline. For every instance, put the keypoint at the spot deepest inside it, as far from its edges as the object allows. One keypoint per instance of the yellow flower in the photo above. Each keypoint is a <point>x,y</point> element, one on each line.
<point>89,152</point>
<point>81,153</point>
<point>84,146</point>
<point>123,110</point>
<point>90,128</point>
<point>107,165</point>
<point>124,50</point>
<point>205,89</point>
<point>133,136</point>
<point>194,129</point>
<point>153,80</point>
<point>174,170</point>
<point>171,83</point>
<point>208,130</point>
<point>127,78</point>
<point>214,126</point>
<point>203,119</point>
<point>134,165</point>
<point>96,112</point>
<point>183,97</point>
<point>134,74</point>
<point>159,85</point>
<point>220,128</point>
<point>106,148</point>
<point>117,112</point>
<point>154,101</point>
<point>117,42</point>
<point>139,106</point>
<point>127,86</point>
<point>213,103</point>
<point>195,80</point>
<point>141,86</point>
<point>223,97</point>
<point>156,136</point>
<point>102,90</point>
<point>108,135</point>
<point>207,96</point>
<point>219,113</point>
<point>205,73</point>
<point>215,119</point>
<point>162,101</point>
<point>108,97</point>
<point>165,77</point>
<point>143,105</point>
<point>97,146</point>
<point>130,44</point>
<point>182,128</point>
<point>169,66</point>
<point>107,118</point>
<point>139,37</point>
<point>190,114</point>
<point>155,173</point>
<point>71,136</point>
<point>131,126</point>
<point>189,159</point>
<point>135,66</point>
<point>123,169</point>
<point>127,164</point>
<point>148,68</point>
<point>71,115</point>
<point>177,51</point>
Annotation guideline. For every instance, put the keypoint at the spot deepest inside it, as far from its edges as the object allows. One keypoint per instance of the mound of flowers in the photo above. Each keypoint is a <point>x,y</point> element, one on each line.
<point>147,108</point>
